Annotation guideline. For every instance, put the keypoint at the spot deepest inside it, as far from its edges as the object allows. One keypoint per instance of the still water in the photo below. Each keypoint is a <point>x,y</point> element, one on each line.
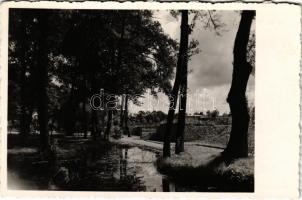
<point>107,168</point>
<point>119,169</point>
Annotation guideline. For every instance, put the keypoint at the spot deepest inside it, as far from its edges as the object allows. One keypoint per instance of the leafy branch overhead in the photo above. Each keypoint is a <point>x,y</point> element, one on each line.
<point>208,20</point>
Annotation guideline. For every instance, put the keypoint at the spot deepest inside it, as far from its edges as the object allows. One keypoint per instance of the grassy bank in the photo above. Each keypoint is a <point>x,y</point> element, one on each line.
<point>189,169</point>
<point>193,167</point>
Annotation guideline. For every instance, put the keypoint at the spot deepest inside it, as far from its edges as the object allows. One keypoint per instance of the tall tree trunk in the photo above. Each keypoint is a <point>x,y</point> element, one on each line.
<point>119,66</point>
<point>179,144</point>
<point>93,124</point>
<point>84,118</point>
<point>25,117</point>
<point>83,94</point>
<point>238,142</point>
<point>120,43</point>
<point>93,111</point>
<point>122,112</point>
<point>175,89</point>
<point>69,113</point>
<point>127,131</point>
<point>109,123</point>
<point>42,73</point>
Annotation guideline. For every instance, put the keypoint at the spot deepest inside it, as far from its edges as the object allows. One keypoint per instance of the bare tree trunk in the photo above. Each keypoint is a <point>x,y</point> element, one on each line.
<point>174,93</point>
<point>84,118</point>
<point>181,123</point>
<point>179,144</point>
<point>26,106</point>
<point>170,117</point>
<point>119,65</point>
<point>69,113</point>
<point>24,129</point>
<point>109,123</point>
<point>93,124</point>
<point>127,131</point>
<point>103,123</point>
<point>42,73</point>
<point>93,111</point>
<point>238,142</point>
<point>122,112</point>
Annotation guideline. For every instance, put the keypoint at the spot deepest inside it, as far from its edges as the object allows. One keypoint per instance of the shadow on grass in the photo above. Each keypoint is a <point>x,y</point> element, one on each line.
<point>218,174</point>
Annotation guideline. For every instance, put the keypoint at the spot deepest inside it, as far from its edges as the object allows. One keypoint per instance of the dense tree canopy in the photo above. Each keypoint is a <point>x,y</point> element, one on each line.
<point>119,51</point>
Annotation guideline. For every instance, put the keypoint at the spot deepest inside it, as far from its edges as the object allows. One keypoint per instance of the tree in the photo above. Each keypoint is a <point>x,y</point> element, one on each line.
<point>129,48</point>
<point>214,113</point>
<point>186,50</point>
<point>238,145</point>
<point>174,94</point>
<point>25,112</point>
<point>30,71</point>
<point>42,78</point>
<point>127,131</point>
<point>185,31</point>
<point>20,72</point>
<point>158,61</point>
<point>122,111</point>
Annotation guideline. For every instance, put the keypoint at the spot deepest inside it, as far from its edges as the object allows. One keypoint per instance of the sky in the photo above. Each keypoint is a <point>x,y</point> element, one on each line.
<point>210,74</point>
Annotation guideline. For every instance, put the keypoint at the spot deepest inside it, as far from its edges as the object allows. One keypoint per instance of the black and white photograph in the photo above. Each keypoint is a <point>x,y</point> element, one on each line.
<point>131,100</point>
<point>150,100</point>
<point>141,100</point>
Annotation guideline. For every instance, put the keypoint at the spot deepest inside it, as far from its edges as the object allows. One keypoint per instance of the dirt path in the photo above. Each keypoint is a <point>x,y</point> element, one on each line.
<point>200,153</point>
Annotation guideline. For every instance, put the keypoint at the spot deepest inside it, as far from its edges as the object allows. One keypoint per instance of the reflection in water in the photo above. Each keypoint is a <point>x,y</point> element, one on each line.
<point>116,168</point>
<point>109,168</point>
<point>121,172</point>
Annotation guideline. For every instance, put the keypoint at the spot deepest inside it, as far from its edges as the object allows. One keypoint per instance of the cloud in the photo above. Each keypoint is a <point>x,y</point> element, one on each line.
<point>169,24</point>
<point>212,67</point>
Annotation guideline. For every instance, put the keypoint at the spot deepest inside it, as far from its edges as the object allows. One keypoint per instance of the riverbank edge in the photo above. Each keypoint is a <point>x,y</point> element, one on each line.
<point>153,148</point>
<point>185,168</point>
<point>236,175</point>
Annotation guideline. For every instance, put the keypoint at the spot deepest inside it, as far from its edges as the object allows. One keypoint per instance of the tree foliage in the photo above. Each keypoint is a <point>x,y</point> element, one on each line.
<point>122,52</point>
